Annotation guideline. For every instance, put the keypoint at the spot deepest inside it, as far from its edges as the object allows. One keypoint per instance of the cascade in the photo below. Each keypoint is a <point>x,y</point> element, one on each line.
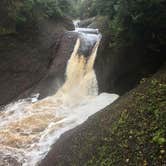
<point>28,129</point>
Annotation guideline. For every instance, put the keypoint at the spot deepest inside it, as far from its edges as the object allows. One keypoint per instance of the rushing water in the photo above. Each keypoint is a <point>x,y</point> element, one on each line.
<point>28,129</point>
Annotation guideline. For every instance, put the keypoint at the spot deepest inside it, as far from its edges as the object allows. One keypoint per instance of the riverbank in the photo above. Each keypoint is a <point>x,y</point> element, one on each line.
<point>131,131</point>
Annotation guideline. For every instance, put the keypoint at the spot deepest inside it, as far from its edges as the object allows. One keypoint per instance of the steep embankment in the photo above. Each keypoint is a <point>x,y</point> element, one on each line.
<point>27,58</point>
<point>129,132</point>
<point>133,44</point>
<point>120,65</point>
<point>122,62</point>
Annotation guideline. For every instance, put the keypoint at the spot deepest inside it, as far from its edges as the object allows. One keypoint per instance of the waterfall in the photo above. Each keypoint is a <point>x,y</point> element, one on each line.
<point>76,22</point>
<point>27,130</point>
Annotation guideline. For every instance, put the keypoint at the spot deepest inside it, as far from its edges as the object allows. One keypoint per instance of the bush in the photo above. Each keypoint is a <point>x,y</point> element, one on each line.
<point>27,13</point>
<point>39,9</point>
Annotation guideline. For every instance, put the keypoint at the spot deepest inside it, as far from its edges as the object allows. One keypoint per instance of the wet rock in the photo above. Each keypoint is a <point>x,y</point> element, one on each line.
<point>120,68</point>
<point>97,140</point>
<point>55,75</point>
<point>26,58</point>
<point>86,22</point>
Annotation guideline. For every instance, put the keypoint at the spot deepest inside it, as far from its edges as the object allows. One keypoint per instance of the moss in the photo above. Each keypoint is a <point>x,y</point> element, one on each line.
<point>5,31</point>
<point>138,136</point>
<point>101,23</point>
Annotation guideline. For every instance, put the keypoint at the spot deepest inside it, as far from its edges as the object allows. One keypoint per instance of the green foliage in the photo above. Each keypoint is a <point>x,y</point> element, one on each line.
<point>8,12</point>
<point>139,136</point>
<point>4,31</point>
<point>87,9</point>
<point>38,9</point>
<point>26,13</point>
<point>132,22</point>
<point>159,137</point>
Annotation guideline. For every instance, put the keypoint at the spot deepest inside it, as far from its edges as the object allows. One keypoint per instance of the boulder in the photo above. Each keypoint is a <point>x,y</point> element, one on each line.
<point>86,22</point>
<point>120,68</point>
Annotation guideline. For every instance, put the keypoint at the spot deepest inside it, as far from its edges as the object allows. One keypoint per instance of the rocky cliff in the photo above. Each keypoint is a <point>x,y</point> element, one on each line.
<point>119,68</point>
<point>29,58</point>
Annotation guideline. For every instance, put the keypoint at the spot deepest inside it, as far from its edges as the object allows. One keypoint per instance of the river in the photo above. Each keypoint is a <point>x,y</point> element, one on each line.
<point>29,127</point>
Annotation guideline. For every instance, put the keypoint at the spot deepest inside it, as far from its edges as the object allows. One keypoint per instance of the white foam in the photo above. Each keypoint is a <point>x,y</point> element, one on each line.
<point>75,117</point>
<point>28,128</point>
<point>87,30</point>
